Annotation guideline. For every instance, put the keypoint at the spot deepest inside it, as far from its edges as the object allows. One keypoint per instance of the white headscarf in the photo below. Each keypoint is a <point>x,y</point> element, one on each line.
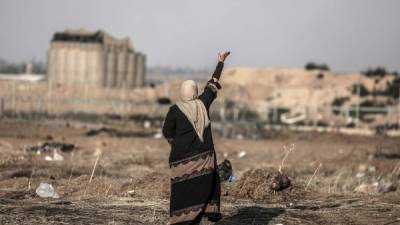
<point>193,108</point>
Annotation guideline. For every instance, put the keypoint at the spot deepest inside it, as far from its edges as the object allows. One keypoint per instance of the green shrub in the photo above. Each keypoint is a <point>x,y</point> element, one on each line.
<point>363,90</point>
<point>338,102</point>
<point>375,72</point>
<point>316,66</point>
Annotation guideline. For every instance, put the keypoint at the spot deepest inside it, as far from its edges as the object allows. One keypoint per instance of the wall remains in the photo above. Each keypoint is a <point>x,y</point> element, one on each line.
<point>94,59</point>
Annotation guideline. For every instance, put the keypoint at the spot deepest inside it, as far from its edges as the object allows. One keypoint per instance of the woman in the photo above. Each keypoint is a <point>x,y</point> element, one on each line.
<point>195,184</point>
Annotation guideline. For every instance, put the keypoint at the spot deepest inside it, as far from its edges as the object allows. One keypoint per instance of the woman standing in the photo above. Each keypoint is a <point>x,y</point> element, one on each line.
<point>195,184</point>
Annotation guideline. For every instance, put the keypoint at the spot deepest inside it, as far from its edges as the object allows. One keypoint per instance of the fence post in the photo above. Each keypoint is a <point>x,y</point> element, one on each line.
<point>358,104</point>
<point>398,110</point>
<point>275,115</point>
<point>48,96</point>
<point>315,116</point>
<point>39,110</point>
<point>2,107</point>
<point>222,112</point>
<point>85,98</point>
<point>14,105</point>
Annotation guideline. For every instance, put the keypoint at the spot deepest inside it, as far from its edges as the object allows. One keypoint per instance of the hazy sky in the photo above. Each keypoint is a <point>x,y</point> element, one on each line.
<point>349,35</point>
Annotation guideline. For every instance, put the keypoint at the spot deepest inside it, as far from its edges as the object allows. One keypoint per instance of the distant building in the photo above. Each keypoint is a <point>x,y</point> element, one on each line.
<point>94,58</point>
<point>27,76</point>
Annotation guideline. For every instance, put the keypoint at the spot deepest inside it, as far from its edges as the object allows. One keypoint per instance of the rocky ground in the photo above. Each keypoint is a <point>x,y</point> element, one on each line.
<point>119,175</point>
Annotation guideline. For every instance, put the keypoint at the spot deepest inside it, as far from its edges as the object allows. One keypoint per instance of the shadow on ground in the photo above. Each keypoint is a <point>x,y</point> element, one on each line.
<point>251,215</point>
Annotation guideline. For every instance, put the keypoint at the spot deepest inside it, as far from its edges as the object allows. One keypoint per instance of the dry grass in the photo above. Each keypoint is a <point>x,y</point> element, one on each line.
<point>129,183</point>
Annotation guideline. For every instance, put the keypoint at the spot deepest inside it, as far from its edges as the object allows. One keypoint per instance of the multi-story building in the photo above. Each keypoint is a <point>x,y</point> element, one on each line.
<point>96,59</point>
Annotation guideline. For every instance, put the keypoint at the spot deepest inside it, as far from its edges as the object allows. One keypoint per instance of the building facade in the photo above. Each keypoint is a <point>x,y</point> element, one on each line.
<point>96,59</point>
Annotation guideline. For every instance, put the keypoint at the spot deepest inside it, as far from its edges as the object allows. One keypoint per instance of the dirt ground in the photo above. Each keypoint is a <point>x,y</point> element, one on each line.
<point>336,179</point>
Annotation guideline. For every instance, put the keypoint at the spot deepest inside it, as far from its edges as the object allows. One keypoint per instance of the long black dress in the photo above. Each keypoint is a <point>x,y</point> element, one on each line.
<point>195,184</point>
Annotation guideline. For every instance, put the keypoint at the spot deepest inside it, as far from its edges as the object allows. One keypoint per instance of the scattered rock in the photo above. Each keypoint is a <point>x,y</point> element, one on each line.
<point>362,167</point>
<point>49,137</point>
<point>366,188</point>
<point>280,182</point>
<point>360,175</point>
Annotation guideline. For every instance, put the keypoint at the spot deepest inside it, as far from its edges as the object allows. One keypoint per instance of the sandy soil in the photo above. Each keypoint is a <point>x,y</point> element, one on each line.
<point>130,182</point>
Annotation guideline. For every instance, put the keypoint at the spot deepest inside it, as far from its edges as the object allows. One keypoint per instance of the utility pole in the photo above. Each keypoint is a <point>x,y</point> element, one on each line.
<point>358,105</point>
<point>398,109</point>
<point>14,105</point>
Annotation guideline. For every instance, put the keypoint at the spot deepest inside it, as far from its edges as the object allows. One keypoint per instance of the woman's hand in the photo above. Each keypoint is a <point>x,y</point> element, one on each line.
<point>222,56</point>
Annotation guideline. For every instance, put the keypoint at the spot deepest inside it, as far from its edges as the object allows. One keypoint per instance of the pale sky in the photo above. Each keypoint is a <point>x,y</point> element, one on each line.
<point>349,35</point>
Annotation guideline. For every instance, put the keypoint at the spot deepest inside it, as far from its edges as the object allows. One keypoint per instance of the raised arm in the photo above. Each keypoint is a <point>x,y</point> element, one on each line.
<point>212,86</point>
<point>218,70</point>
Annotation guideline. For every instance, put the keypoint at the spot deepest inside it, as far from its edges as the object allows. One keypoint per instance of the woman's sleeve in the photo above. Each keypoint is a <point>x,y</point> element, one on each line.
<point>218,70</point>
<point>212,86</point>
<point>169,127</point>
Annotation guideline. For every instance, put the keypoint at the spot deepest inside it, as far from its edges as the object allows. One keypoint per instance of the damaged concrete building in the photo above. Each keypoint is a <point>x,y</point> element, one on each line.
<point>94,58</point>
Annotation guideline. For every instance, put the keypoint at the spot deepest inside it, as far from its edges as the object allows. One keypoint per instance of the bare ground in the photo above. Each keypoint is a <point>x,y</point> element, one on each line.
<point>130,183</point>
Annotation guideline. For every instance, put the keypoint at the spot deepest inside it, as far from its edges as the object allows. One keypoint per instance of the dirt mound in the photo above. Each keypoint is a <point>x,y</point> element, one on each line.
<point>291,86</point>
<point>256,184</point>
<point>159,185</point>
<point>388,150</point>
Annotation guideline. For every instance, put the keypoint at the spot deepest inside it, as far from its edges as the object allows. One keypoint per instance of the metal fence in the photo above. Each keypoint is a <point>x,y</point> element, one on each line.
<point>326,116</point>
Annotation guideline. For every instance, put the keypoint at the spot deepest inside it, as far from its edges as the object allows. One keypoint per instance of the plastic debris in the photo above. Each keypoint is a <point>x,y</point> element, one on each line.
<point>147,124</point>
<point>46,190</point>
<point>51,146</point>
<point>56,157</point>
<point>231,178</point>
<point>360,175</point>
<point>241,154</point>
<point>294,117</point>
<point>158,135</point>
<point>371,169</point>
<point>225,171</point>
